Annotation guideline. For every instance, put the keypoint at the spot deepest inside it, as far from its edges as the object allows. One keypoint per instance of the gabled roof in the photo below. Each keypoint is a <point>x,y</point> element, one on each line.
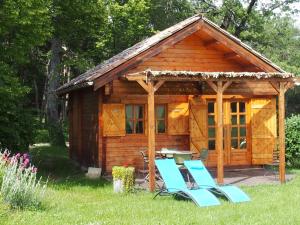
<point>101,70</point>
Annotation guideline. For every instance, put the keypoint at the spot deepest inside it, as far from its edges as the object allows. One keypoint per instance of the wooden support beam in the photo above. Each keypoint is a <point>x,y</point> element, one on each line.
<point>219,134</point>
<point>213,85</point>
<point>158,85</point>
<point>151,136</point>
<point>275,86</point>
<point>144,85</point>
<point>281,129</point>
<point>150,88</point>
<point>226,85</point>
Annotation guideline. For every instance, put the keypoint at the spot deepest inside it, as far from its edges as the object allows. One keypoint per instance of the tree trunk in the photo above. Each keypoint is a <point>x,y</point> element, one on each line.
<point>53,103</point>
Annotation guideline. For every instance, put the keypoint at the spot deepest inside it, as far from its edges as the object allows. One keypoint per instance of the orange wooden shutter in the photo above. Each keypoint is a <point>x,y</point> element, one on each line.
<point>263,114</point>
<point>198,126</point>
<point>178,118</point>
<point>113,120</point>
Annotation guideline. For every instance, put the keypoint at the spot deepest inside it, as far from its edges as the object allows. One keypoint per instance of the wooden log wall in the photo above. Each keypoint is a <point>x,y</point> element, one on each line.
<point>83,114</point>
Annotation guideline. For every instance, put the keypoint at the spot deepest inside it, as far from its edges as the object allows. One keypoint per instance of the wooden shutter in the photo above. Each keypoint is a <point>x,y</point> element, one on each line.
<point>178,118</point>
<point>198,126</point>
<point>263,122</point>
<point>113,120</point>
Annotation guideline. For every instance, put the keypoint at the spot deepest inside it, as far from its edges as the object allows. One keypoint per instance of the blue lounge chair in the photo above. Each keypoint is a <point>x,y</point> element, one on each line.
<point>175,184</point>
<point>204,180</point>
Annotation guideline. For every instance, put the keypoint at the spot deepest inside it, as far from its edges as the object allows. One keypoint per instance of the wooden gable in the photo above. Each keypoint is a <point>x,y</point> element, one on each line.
<point>200,46</point>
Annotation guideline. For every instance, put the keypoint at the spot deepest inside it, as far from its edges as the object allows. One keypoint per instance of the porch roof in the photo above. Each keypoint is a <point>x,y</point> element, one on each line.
<point>168,75</point>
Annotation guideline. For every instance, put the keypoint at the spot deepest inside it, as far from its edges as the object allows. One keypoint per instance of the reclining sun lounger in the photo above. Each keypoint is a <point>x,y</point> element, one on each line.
<point>204,180</point>
<point>175,184</point>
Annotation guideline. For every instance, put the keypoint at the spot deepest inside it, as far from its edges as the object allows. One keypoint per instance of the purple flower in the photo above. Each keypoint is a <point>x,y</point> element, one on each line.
<point>26,162</point>
<point>34,170</point>
<point>18,155</point>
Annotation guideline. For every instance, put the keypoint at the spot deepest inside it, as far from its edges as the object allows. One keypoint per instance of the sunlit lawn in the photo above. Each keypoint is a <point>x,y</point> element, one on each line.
<point>72,199</point>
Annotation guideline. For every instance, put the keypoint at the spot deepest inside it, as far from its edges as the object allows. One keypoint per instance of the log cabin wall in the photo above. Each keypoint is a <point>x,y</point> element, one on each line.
<point>120,150</point>
<point>83,114</point>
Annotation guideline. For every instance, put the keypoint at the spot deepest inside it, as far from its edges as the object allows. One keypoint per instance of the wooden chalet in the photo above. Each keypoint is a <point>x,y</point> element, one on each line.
<point>189,87</point>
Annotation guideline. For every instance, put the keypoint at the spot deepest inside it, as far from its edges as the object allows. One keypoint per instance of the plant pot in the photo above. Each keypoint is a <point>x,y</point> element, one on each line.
<point>93,173</point>
<point>118,186</point>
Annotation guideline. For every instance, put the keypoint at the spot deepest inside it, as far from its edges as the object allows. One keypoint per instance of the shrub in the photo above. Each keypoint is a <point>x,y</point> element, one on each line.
<point>126,174</point>
<point>42,136</point>
<point>20,187</point>
<point>292,142</point>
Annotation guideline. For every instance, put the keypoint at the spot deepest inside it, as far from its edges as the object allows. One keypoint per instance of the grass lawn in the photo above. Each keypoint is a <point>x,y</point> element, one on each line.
<point>72,199</point>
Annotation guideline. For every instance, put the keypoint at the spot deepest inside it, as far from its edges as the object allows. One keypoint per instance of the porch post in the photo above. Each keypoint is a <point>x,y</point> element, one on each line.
<point>219,134</point>
<point>150,88</point>
<point>281,129</point>
<point>151,136</point>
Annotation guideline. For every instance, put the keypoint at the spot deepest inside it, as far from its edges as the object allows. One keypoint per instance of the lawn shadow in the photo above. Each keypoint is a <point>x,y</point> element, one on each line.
<point>55,166</point>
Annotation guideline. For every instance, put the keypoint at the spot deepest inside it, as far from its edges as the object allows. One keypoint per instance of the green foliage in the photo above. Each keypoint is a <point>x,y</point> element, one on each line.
<point>23,26</point>
<point>41,136</point>
<point>126,174</point>
<point>16,121</point>
<point>164,13</point>
<point>292,140</point>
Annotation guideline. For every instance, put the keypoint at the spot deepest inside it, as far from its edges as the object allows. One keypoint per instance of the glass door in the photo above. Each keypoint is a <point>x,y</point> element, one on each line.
<point>236,125</point>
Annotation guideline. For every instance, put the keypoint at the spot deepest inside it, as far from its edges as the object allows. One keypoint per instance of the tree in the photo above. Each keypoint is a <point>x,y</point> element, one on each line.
<point>76,26</point>
<point>23,25</point>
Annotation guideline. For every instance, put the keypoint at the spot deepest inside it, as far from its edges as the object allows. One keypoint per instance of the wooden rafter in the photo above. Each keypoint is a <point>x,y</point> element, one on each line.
<point>211,42</point>
<point>237,48</point>
<point>230,55</point>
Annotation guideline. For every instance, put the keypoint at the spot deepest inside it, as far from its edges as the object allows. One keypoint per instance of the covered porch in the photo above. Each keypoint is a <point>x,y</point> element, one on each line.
<point>218,82</point>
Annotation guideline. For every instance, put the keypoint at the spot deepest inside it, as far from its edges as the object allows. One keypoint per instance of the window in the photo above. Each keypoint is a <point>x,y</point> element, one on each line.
<point>134,119</point>
<point>238,125</point>
<point>160,119</point>
<point>211,126</point>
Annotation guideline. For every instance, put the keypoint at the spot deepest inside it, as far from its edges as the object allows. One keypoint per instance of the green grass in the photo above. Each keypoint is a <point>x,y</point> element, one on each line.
<point>72,199</point>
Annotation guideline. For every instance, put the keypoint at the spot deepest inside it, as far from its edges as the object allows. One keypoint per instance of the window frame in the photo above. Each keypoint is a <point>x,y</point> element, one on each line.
<point>165,119</point>
<point>238,125</point>
<point>214,126</point>
<point>135,118</point>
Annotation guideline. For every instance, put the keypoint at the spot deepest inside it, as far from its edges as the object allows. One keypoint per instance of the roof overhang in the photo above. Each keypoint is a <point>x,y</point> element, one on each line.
<point>212,76</point>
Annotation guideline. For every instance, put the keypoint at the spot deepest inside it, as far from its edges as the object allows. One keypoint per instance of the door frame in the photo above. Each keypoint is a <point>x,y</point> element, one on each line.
<point>236,157</point>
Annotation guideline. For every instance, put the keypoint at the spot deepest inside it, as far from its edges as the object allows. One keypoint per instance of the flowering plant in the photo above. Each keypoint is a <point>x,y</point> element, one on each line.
<point>20,187</point>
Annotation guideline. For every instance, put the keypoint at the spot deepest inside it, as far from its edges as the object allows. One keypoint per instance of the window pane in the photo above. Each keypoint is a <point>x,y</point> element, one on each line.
<point>161,126</point>
<point>243,143</point>
<point>234,143</point>
<point>129,127</point>
<point>234,132</point>
<point>139,112</point>
<point>211,145</point>
<point>233,119</point>
<point>211,107</point>
<point>129,113</point>
<point>242,107</point>
<point>160,112</point>
<point>139,127</point>
<point>242,131</point>
<point>211,132</point>
<point>211,120</point>
<point>233,107</point>
<point>242,119</point>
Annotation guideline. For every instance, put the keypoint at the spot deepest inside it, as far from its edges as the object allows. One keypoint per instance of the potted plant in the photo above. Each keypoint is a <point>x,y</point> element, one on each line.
<point>123,179</point>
